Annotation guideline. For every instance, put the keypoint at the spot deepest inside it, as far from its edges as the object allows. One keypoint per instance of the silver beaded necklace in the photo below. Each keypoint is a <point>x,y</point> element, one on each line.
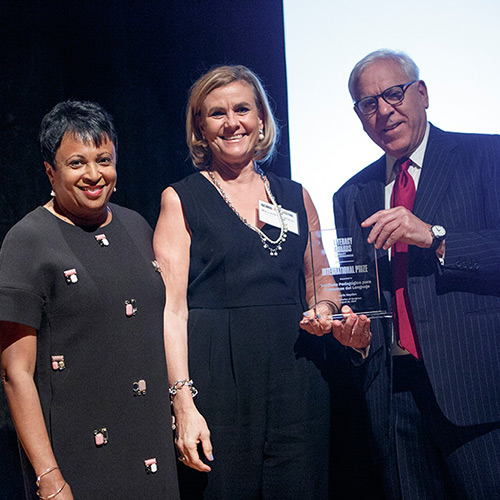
<point>274,246</point>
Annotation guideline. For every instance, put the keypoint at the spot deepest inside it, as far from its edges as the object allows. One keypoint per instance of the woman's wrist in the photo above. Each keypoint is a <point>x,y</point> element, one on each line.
<point>52,495</point>
<point>332,306</point>
<point>182,392</point>
<point>182,400</point>
<point>50,483</point>
<point>46,472</point>
<point>178,385</point>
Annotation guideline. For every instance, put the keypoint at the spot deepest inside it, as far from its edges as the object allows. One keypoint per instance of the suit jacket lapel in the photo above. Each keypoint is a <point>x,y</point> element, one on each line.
<point>437,172</point>
<point>371,194</point>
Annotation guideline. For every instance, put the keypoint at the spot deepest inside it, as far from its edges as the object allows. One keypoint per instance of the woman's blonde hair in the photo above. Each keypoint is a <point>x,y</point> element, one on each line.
<point>220,76</point>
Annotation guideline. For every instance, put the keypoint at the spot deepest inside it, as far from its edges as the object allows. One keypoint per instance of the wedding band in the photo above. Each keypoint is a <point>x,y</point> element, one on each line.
<point>181,459</point>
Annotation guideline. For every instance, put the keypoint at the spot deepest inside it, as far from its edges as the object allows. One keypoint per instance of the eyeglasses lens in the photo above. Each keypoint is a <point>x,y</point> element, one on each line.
<point>393,95</point>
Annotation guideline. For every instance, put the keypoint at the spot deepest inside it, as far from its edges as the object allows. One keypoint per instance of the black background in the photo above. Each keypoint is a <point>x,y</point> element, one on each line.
<point>138,59</point>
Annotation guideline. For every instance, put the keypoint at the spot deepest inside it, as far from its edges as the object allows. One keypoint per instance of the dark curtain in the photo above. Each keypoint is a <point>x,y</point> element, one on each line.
<point>137,59</point>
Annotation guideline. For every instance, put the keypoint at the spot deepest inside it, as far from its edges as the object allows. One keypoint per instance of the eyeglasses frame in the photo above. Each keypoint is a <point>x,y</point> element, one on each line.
<point>404,87</point>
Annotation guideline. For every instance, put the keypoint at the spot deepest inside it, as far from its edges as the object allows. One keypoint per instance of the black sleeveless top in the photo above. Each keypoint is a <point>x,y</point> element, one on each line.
<point>229,265</point>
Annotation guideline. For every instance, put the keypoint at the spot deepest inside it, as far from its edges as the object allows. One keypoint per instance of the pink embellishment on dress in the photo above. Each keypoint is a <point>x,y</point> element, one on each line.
<point>58,363</point>
<point>102,240</point>
<point>101,436</point>
<point>130,308</point>
<point>139,387</point>
<point>151,465</point>
<point>71,276</point>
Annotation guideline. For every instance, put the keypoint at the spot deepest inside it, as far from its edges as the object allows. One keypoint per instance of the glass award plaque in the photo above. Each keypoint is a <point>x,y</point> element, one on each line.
<point>339,270</point>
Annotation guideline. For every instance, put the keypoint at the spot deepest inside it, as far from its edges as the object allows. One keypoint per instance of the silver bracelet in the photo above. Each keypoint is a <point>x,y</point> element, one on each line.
<point>44,473</point>
<point>53,494</point>
<point>179,384</point>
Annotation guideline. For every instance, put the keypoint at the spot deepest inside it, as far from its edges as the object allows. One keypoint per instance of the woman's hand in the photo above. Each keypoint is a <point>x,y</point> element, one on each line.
<point>315,321</point>
<point>353,331</point>
<point>191,430</point>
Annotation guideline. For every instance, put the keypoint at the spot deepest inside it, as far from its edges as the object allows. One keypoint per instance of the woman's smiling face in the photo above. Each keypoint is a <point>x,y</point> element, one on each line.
<point>230,121</point>
<point>83,178</point>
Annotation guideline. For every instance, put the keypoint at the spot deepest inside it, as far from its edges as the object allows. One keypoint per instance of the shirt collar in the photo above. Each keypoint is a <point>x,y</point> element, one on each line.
<point>417,157</point>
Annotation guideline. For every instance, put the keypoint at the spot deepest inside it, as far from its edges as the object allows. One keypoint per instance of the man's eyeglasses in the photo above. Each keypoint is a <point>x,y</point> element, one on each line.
<point>393,96</point>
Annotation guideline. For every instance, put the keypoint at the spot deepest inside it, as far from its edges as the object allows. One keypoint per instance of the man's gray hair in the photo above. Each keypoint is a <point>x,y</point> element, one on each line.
<point>404,60</point>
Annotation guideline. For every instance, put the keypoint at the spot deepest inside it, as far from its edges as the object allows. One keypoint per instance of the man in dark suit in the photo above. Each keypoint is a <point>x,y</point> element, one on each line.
<point>431,205</point>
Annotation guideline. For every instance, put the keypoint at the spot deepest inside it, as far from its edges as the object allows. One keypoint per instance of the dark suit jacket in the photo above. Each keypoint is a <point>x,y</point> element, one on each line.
<point>456,306</point>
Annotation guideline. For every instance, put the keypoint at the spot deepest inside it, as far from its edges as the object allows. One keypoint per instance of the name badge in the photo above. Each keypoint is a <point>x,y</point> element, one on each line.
<point>268,215</point>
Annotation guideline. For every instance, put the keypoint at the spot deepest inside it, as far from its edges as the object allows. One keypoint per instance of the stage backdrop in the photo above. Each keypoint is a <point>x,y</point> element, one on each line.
<point>137,59</point>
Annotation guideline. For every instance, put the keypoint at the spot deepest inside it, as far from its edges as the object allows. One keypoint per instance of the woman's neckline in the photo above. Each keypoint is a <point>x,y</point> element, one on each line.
<point>90,228</point>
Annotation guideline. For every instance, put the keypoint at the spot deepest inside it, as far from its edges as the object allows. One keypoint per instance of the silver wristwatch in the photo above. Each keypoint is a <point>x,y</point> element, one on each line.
<point>438,235</point>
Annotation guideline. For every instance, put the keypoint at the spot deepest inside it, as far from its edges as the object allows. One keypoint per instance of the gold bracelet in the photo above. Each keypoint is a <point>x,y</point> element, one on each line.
<point>44,473</point>
<point>53,494</point>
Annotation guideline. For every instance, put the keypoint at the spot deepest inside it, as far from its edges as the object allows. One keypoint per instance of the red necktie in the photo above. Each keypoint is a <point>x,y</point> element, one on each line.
<point>403,195</point>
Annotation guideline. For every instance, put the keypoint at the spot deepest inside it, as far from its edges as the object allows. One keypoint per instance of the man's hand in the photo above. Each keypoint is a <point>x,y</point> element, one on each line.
<point>353,331</point>
<point>397,224</point>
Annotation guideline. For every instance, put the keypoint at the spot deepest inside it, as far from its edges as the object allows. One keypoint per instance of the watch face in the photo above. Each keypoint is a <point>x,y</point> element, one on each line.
<point>438,231</point>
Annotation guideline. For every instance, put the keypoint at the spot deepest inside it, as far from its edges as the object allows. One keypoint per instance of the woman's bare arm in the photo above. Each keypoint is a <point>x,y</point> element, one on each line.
<point>19,345</point>
<point>171,243</point>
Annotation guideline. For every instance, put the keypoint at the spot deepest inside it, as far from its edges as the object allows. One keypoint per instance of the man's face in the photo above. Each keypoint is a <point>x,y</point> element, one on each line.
<point>397,129</point>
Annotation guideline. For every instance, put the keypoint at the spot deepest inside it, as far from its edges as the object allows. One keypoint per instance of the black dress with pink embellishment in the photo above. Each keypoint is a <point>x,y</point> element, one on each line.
<point>96,300</point>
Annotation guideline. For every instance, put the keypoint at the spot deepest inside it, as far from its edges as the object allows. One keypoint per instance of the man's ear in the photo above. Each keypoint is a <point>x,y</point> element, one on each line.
<point>422,90</point>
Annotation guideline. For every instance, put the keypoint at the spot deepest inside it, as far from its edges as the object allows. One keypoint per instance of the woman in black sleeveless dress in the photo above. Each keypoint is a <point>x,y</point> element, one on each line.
<point>233,246</point>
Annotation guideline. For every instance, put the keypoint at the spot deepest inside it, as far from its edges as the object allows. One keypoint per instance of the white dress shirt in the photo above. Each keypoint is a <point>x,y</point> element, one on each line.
<point>417,159</point>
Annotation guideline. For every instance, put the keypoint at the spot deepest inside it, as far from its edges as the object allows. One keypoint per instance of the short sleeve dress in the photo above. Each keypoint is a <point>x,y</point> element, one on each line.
<point>261,379</point>
<point>96,301</point>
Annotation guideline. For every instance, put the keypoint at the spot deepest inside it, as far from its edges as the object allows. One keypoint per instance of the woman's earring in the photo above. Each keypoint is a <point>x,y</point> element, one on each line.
<point>114,189</point>
<point>261,135</point>
<point>53,193</point>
